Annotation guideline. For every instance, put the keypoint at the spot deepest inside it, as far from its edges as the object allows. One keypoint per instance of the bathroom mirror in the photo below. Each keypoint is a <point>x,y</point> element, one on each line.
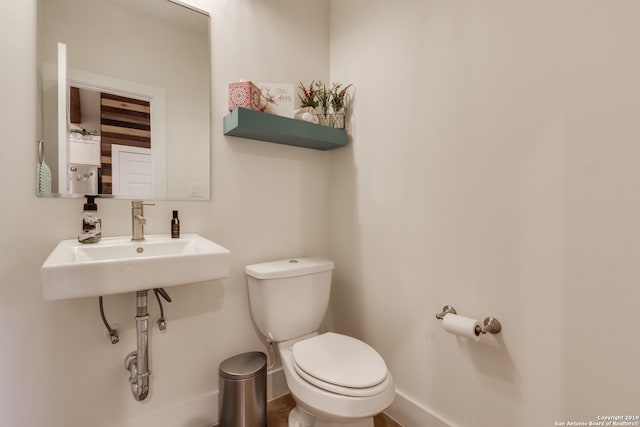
<point>124,108</point>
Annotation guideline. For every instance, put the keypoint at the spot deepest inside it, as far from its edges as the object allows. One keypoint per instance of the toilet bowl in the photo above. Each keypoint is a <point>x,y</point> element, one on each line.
<point>348,395</point>
<point>336,380</point>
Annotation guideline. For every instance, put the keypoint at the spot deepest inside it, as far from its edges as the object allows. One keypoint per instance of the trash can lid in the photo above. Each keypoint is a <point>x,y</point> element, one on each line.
<point>242,366</point>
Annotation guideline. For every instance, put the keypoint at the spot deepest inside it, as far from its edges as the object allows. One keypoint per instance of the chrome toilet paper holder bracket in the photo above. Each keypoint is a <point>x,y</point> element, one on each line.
<point>490,324</point>
<point>446,310</point>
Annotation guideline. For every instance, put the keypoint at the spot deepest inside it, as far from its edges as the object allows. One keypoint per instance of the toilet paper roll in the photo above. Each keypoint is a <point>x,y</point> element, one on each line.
<point>460,325</point>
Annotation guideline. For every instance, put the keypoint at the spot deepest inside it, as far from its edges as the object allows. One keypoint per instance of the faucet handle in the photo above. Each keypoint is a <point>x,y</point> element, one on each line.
<point>138,204</point>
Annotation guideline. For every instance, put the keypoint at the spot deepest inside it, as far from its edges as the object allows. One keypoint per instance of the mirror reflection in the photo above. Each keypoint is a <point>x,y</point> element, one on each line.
<point>125,99</point>
<point>109,144</point>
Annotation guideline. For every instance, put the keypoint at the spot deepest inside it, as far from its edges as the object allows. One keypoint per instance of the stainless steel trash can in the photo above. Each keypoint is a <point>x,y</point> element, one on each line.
<point>243,390</point>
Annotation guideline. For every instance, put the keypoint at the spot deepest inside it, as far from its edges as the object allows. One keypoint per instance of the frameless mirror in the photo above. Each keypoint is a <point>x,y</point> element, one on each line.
<point>124,99</point>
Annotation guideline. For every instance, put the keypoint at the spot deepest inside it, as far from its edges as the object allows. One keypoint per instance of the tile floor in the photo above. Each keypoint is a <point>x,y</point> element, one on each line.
<point>278,411</point>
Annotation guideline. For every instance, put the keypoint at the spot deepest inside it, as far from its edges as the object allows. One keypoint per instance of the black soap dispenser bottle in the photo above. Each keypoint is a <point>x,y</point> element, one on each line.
<point>90,222</point>
<point>175,226</point>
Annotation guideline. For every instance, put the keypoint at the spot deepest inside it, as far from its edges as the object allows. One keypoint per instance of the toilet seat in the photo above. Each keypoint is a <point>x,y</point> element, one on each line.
<point>340,364</point>
<point>326,404</point>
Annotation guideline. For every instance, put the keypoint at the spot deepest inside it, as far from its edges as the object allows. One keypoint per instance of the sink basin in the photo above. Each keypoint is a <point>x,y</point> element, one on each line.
<point>116,265</point>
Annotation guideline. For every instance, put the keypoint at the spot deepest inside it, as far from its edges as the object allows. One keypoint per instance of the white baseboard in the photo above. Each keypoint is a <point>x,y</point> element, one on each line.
<point>410,413</point>
<point>203,411</point>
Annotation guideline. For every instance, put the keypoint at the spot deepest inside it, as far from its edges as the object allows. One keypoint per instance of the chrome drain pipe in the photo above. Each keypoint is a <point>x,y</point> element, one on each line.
<point>137,362</point>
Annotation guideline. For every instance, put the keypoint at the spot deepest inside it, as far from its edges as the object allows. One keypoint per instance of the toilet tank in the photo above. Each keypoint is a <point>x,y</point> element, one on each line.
<point>289,298</point>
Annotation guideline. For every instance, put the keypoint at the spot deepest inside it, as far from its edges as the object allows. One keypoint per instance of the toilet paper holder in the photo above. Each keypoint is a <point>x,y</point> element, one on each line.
<point>490,324</point>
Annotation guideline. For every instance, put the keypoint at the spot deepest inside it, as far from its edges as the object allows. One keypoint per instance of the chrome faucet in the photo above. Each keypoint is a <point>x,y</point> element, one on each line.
<point>138,220</point>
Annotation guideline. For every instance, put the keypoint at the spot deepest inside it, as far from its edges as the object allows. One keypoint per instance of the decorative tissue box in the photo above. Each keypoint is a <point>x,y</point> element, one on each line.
<point>244,95</point>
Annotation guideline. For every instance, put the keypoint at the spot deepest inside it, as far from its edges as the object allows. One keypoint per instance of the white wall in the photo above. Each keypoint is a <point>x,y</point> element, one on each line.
<point>494,167</point>
<point>268,201</point>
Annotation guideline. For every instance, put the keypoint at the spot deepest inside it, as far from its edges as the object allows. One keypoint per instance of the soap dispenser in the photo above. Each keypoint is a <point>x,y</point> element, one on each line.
<point>90,222</point>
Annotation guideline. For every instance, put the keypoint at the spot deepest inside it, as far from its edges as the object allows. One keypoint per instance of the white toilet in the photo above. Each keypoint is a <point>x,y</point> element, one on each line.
<point>335,380</point>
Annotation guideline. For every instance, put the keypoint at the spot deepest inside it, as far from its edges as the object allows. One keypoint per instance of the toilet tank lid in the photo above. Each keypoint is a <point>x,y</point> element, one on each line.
<point>289,268</point>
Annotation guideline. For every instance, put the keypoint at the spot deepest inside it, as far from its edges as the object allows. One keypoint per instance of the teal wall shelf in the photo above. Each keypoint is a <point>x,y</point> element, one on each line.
<point>252,124</point>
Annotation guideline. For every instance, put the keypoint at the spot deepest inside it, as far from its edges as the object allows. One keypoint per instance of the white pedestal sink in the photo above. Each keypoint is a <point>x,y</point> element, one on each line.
<point>117,265</point>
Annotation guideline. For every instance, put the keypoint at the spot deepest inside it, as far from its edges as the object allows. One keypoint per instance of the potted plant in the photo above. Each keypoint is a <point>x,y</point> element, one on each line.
<point>323,96</point>
<point>307,96</point>
<point>338,103</point>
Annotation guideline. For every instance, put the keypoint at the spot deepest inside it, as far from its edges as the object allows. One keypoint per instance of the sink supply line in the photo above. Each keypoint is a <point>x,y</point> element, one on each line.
<point>113,333</point>
<point>162,324</point>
